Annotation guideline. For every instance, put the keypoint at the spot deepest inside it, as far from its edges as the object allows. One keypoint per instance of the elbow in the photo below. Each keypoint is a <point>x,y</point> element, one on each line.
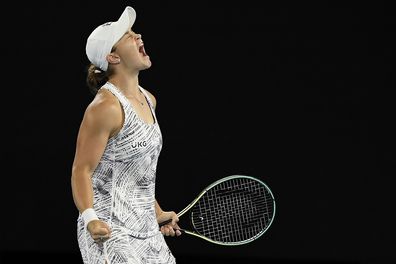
<point>74,177</point>
<point>79,174</point>
<point>74,174</point>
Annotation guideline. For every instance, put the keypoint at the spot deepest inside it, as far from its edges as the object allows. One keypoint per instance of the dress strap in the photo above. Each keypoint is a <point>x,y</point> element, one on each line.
<point>117,93</point>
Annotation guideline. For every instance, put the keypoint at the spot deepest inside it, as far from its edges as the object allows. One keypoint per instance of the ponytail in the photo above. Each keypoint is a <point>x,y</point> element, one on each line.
<point>96,78</point>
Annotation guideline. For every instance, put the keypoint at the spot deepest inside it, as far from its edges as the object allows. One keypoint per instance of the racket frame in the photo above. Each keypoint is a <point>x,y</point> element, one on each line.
<point>188,207</point>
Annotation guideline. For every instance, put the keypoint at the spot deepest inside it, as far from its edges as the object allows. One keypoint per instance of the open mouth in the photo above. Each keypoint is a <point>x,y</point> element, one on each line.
<point>142,51</point>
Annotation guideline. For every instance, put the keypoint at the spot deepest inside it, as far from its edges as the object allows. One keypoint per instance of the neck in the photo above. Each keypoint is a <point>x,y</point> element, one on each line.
<point>127,84</point>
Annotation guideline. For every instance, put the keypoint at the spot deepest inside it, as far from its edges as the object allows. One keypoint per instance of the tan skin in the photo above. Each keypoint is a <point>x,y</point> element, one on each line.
<point>103,119</point>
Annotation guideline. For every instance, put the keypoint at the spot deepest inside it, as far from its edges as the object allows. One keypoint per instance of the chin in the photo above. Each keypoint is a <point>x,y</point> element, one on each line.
<point>147,65</point>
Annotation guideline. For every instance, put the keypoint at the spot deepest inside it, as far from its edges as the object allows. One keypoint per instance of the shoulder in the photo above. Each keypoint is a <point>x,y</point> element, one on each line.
<point>152,97</point>
<point>104,110</point>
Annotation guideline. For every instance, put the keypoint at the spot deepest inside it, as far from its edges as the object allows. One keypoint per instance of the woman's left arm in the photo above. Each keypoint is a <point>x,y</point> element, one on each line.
<point>170,229</point>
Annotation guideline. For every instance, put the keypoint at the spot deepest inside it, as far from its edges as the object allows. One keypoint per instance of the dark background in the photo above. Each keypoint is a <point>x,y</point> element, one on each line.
<point>299,95</point>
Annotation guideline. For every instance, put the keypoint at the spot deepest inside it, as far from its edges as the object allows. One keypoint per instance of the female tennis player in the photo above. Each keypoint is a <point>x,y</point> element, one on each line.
<point>118,145</point>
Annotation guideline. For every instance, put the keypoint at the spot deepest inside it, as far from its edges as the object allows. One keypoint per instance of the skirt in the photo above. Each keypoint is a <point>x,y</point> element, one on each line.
<point>123,248</point>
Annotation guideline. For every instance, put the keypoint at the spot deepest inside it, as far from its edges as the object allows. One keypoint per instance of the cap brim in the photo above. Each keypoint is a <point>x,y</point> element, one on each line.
<point>124,23</point>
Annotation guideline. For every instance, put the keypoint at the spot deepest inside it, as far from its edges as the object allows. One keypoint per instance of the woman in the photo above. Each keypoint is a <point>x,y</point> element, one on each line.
<point>118,144</point>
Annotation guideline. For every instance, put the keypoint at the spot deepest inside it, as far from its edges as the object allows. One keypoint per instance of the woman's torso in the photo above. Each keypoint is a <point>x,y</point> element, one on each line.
<point>124,180</point>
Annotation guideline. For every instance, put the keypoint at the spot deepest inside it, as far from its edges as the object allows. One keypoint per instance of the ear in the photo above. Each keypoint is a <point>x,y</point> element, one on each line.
<point>113,58</point>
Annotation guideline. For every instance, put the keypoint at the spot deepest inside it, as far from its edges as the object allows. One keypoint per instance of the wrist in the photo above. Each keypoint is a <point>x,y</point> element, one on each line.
<point>158,210</point>
<point>158,213</point>
<point>88,215</point>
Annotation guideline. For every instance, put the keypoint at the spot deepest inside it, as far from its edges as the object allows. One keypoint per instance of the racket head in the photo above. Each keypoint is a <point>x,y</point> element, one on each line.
<point>234,210</point>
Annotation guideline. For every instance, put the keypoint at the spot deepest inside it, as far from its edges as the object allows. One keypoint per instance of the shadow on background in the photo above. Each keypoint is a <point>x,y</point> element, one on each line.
<point>51,257</point>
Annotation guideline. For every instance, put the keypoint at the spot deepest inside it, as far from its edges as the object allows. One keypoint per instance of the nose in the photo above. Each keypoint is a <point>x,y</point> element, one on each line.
<point>138,36</point>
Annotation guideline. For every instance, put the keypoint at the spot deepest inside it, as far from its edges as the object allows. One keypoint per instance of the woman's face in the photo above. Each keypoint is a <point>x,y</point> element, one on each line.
<point>131,51</point>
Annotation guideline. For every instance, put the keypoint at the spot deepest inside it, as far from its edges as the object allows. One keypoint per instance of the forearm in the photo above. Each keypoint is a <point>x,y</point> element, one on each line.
<point>82,189</point>
<point>158,209</point>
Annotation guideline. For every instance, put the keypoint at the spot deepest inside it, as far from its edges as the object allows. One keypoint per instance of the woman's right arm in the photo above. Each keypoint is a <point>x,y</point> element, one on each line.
<point>102,119</point>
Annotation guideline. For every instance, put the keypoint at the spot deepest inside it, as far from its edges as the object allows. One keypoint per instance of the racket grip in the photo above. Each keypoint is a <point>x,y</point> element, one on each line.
<point>165,222</point>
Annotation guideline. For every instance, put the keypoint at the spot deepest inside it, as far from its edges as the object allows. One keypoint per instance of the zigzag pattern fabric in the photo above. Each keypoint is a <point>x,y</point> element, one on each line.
<point>124,194</point>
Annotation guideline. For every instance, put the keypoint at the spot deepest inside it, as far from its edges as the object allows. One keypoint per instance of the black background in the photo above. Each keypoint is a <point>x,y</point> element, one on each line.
<point>297,94</point>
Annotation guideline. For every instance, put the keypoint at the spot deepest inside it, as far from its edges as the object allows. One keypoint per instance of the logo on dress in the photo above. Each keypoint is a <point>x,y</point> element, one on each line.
<point>138,144</point>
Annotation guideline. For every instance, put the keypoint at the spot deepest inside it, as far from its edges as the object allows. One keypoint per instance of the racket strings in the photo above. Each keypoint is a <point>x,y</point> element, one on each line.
<point>234,210</point>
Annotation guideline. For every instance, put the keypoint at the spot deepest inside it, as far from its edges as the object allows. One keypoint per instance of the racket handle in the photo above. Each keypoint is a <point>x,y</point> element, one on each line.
<point>165,222</point>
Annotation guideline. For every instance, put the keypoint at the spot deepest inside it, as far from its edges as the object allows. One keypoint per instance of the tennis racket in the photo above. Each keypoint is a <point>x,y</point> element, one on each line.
<point>232,211</point>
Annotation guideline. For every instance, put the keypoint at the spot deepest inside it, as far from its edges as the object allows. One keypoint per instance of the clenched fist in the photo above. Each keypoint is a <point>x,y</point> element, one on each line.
<point>99,230</point>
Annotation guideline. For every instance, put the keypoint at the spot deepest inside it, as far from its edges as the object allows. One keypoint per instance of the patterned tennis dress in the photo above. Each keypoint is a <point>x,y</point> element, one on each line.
<point>124,194</point>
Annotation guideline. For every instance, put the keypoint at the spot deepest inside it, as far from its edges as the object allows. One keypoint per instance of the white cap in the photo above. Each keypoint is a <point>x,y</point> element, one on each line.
<point>102,39</point>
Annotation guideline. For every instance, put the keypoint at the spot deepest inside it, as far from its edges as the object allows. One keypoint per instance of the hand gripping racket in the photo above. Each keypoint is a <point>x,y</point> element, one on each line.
<point>232,211</point>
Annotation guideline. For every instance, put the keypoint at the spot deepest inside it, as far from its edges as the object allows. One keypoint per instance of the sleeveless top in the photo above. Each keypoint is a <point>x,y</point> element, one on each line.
<point>124,180</point>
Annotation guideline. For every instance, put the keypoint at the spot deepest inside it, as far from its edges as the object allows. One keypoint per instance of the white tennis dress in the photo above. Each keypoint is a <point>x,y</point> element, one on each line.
<point>124,194</point>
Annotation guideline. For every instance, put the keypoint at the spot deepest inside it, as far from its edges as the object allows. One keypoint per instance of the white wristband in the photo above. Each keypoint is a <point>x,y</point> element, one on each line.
<point>88,215</point>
